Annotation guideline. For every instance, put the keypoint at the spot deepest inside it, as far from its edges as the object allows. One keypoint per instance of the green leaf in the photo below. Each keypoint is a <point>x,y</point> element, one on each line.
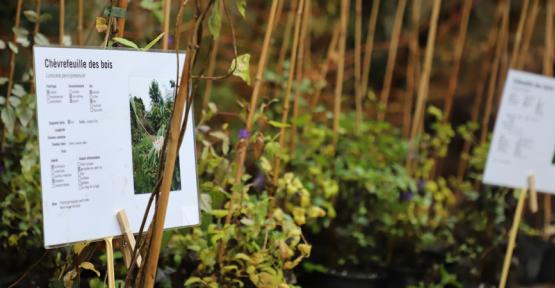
<point>193,280</point>
<point>125,42</point>
<point>31,15</point>
<point>2,45</point>
<point>218,213</point>
<point>153,42</point>
<point>8,118</point>
<point>215,21</point>
<point>89,266</point>
<point>241,6</point>
<point>20,32</point>
<point>3,80</point>
<point>40,39</point>
<point>278,124</point>
<point>241,65</point>
<point>13,47</point>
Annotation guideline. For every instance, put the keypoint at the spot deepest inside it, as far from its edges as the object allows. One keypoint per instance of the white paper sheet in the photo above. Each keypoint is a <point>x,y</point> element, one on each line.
<point>84,117</point>
<point>524,136</point>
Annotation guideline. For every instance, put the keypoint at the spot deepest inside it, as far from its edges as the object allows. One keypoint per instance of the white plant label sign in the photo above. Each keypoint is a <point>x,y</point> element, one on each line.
<point>102,115</point>
<point>523,140</point>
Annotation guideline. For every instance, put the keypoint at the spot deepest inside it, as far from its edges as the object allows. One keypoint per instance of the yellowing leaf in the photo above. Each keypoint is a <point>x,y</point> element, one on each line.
<point>101,24</point>
<point>78,248</point>
<point>241,65</point>
<point>218,213</point>
<point>305,249</point>
<point>215,21</point>
<point>126,42</point>
<point>89,266</point>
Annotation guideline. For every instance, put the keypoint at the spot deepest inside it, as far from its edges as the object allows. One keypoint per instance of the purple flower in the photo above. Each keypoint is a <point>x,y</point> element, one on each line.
<point>170,40</point>
<point>259,181</point>
<point>421,185</point>
<point>405,196</point>
<point>244,133</point>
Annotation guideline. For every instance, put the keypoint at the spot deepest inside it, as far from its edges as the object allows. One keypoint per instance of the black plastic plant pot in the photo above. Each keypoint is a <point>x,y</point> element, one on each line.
<point>340,279</point>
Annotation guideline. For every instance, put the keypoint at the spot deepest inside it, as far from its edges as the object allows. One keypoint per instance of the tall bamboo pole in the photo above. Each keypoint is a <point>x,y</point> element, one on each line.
<point>412,67</point>
<point>80,22</point>
<point>520,29</point>
<point>504,31</point>
<point>423,85</point>
<point>358,85</point>
<point>332,47</point>
<point>62,22</point>
<point>242,151</point>
<point>392,55</point>
<point>121,21</point>
<point>166,7</point>
<point>286,101</point>
<point>530,24</point>
<point>457,55</point>
<point>548,71</point>
<point>300,74</point>
<point>369,46</point>
<point>340,70</point>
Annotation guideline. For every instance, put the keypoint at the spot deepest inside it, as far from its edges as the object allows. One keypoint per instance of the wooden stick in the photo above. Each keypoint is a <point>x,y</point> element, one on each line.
<point>417,121</point>
<point>358,84</point>
<point>299,78</point>
<point>530,23</point>
<point>512,239</point>
<point>242,152</point>
<point>286,39</point>
<point>325,66</point>
<point>285,112</point>
<point>533,193</point>
<point>210,73</point>
<point>504,31</point>
<point>167,4</point>
<point>79,22</point>
<point>62,21</point>
<point>121,21</point>
<point>412,67</point>
<point>128,238</point>
<point>392,55</point>
<point>110,262</point>
<point>340,70</point>
<point>368,48</point>
<point>457,55</point>
<point>518,35</point>
<point>548,71</point>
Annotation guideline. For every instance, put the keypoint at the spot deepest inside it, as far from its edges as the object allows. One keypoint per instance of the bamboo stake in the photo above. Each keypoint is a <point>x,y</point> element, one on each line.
<point>110,262</point>
<point>300,74</point>
<point>121,21</point>
<point>12,68</point>
<point>325,66</point>
<point>425,77</point>
<point>80,22</point>
<point>340,70</point>
<point>457,55</point>
<point>358,84</point>
<point>242,151</point>
<point>530,23</point>
<point>210,73</point>
<point>369,47</point>
<point>504,31</point>
<point>285,112</point>
<point>62,21</point>
<point>518,35</point>
<point>285,41</point>
<point>412,67</point>
<point>392,55</point>
<point>512,238</point>
<point>166,24</point>
<point>548,71</point>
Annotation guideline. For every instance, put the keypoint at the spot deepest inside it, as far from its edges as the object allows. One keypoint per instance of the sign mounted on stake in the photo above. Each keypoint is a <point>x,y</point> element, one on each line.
<point>523,141</point>
<point>102,117</point>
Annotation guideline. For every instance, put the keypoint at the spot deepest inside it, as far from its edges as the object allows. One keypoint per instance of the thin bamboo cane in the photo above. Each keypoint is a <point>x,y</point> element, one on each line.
<point>358,85</point>
<point>392,55</point>
<point>286,38</point>
<point>530,24</point>
<point>504,31</point>
<point>79,22</point>
<point>548,71</point>
<point>166,23</point>
<point>121,21</point>
<point>457,55</point>
<point>12,68</point>
<point>412,67</point>
<point>424,79</point>
<point>520,29</point>
<point>300,74</point>
<point>340,70</point>
<point>286,103</point>
<point>325,66</point>
<point>62,22</point>
<point>242,151</point>
<point>210,73</point>
<point>369,46</point>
